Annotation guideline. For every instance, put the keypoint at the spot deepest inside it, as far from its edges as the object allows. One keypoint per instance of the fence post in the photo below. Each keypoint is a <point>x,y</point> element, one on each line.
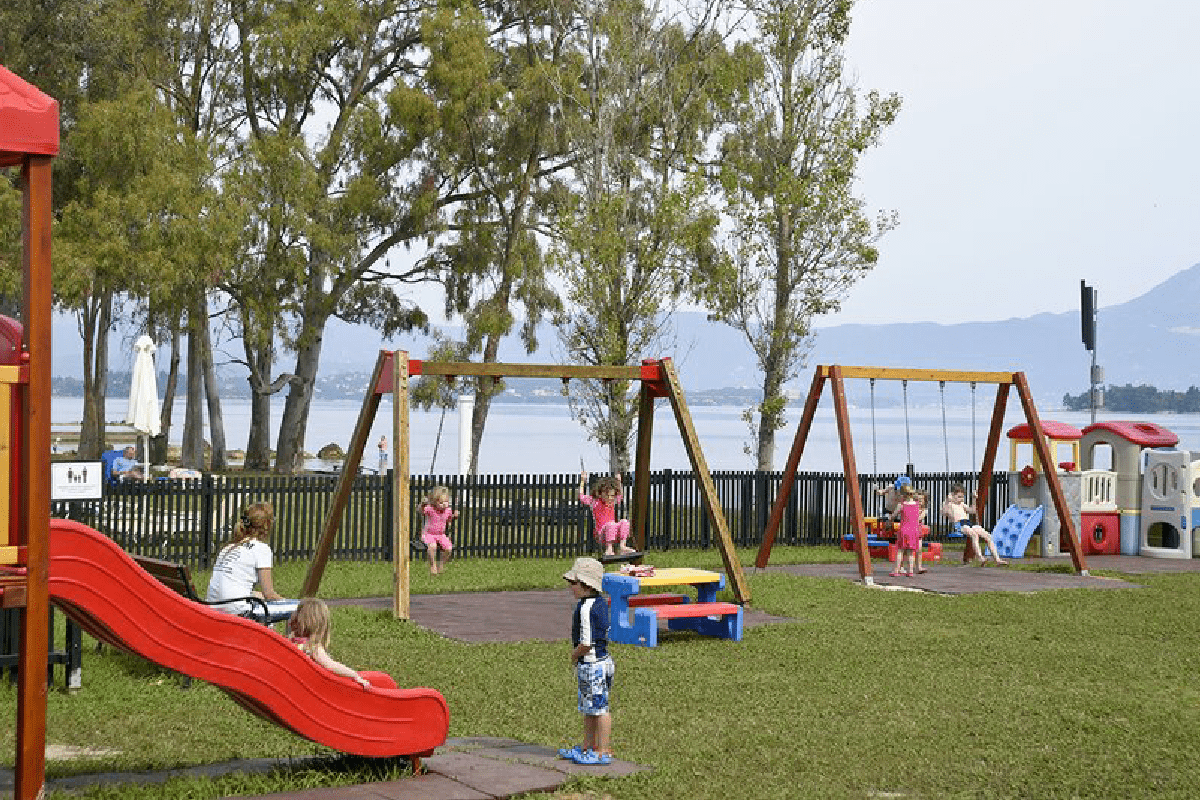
<point>668,510</point>
<point>385,529</point>
<point>207,493</point>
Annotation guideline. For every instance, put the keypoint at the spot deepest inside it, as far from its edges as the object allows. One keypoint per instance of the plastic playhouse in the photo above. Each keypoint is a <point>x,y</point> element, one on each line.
<point>1130,492</point>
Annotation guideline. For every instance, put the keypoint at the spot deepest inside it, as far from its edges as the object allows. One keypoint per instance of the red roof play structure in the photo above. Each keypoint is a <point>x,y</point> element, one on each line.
<point>1143,434</point>
<point>28,120</point>
<point>1059,431</point>
<point>29,141</point>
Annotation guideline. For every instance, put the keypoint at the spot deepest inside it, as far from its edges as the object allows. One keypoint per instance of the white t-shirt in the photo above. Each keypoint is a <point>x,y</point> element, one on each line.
<point>236,572</point>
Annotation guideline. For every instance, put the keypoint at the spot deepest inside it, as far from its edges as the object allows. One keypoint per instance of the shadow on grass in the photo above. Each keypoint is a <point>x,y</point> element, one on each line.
<point>232,778</point>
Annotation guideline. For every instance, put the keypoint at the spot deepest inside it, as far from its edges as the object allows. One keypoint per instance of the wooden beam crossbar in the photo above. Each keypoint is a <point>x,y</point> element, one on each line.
<point>931,375</point>
<point>474,369</point>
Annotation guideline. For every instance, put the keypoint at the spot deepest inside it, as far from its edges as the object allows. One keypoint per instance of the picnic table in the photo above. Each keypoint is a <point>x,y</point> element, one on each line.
<point>635,616</point>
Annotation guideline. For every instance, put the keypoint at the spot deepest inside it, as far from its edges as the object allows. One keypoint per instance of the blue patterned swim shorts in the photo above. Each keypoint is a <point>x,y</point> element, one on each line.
<point>595,682</point>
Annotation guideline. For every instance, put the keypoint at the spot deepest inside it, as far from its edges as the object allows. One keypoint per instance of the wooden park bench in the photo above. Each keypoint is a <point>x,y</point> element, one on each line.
<point>178,578</point>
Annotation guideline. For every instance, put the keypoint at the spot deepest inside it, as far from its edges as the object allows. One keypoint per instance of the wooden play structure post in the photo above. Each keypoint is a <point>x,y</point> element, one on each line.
<point>392,372</point>
<point>837,375</point>
<point>29,139</point>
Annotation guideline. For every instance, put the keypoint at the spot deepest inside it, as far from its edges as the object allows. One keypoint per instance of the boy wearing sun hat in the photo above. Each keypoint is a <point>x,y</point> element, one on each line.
<point>593,665</point>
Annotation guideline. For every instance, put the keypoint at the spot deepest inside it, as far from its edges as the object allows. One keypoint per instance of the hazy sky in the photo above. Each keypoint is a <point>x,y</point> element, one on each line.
<point>1040,142</point>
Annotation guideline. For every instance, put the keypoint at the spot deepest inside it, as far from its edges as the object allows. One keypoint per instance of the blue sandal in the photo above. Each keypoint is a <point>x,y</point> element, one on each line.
<point>569,753</point>
<point>590,758</point>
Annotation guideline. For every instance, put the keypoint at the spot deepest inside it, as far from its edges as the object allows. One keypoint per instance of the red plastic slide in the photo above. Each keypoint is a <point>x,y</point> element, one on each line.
<point>111,597</point>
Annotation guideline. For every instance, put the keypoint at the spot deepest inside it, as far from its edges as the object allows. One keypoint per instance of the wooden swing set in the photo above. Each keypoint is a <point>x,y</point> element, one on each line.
<point>837,375</point>
<point>393,369</point>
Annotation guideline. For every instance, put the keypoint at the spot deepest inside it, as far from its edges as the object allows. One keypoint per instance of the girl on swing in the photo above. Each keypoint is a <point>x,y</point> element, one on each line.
<point>603,501</point>
<point>438,514</point>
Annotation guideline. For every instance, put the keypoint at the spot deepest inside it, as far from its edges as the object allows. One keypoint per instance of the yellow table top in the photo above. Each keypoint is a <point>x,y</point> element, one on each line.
<point>675,576</point>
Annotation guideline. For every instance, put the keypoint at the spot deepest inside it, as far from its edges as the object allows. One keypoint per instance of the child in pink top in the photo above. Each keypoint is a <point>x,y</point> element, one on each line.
<point>603,501</point>
<point>438,513</point>
<point>908,540</point>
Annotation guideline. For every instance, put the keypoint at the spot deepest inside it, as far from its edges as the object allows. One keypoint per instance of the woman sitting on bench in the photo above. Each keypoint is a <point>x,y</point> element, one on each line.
<point>245,561</point>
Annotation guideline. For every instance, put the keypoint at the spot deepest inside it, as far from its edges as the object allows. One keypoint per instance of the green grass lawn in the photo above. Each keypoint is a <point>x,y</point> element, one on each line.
<point>868,693</point>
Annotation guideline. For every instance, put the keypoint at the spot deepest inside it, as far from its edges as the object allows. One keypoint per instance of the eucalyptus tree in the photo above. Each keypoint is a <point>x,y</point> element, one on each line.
<point>637,224</point>
<point>330,170</point>
<point>188,53</point>
<point>121,235</point>
<point>798,236</point>
<point>80,52</point>
<point>498,147</point>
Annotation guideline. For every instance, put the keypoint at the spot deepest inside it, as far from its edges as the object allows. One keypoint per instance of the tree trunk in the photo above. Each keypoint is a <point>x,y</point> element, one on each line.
<point>260,358</point>
<point>289,450</point>
<point>216,424</point>
<point>160,445</point>
<point>620,426</point>
<point>485,390</point>
<point>193,418</point>
<point>94,322</point>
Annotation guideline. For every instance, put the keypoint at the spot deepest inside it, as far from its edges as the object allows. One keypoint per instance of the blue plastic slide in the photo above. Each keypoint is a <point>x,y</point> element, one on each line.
<point>1013,530</point>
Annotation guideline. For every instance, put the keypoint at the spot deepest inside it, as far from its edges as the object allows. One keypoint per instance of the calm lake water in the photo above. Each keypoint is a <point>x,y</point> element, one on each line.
<point>542,438</point>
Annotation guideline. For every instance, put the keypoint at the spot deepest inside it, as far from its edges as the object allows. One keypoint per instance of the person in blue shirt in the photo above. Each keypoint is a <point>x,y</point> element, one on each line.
<point>593,665</point>
<point>126,466</point>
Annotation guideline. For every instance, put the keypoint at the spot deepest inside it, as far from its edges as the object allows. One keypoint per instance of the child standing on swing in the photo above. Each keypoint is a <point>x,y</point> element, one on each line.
<point>603,501</point>
<point>438,514</point>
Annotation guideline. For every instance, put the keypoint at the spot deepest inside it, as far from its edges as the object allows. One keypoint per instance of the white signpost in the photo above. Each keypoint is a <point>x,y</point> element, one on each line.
<point>76,480</point>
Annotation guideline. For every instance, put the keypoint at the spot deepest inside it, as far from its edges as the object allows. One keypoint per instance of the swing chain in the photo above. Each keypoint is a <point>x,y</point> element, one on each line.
<point>874,448</point>
<point>974,460</point>
<point>945,436</point>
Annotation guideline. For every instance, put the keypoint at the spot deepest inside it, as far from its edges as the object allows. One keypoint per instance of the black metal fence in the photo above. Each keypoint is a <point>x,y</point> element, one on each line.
<point>499,515</point>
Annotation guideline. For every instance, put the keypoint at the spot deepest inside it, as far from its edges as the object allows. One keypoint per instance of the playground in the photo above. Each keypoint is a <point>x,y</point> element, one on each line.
<point>1042,679</point>
<point>1017,692</point>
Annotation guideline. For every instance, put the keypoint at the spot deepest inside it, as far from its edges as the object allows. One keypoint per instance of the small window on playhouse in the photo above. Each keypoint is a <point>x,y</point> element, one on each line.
<point>1102,456</point>
<point>1162,534</point>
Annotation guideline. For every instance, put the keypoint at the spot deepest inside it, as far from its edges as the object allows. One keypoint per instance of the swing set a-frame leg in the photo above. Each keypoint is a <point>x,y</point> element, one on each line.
<point>708,490</point>
<point>788,481</point>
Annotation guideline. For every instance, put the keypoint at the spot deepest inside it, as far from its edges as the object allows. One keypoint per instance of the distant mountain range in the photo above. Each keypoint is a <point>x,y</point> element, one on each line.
<point>1150,340</point>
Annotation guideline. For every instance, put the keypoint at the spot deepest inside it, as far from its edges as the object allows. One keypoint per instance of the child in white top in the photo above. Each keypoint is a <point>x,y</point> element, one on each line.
<point>246,561</point>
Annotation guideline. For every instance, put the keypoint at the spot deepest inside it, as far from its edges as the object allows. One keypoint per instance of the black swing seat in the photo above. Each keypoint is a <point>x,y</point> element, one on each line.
<point>621,558</point>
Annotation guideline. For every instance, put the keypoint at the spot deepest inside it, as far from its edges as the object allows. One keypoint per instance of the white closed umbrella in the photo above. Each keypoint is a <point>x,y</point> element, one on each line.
<point>143,412</point>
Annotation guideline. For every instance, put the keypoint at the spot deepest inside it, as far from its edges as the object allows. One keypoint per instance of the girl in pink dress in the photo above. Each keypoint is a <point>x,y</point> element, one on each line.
<point>438,513</point>
<point>909,537</point>
<point>603,500</point>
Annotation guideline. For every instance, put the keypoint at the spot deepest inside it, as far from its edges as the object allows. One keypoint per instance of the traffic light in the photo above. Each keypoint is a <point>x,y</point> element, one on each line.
<point>1087,305</point>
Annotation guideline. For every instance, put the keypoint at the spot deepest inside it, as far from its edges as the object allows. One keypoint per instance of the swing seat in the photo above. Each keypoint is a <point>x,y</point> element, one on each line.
<point>622,558</point>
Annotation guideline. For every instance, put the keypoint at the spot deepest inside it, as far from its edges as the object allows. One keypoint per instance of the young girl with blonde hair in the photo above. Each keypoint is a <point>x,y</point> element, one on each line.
<point>309,630</point>
<point>438,514</point>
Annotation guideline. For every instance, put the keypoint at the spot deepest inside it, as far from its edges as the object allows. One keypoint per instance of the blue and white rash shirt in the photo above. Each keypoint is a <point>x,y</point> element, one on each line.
<point>589,625</point>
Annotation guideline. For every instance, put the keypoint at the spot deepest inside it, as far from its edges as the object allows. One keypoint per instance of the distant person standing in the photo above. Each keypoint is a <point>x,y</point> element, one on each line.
<point>383,455</point>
